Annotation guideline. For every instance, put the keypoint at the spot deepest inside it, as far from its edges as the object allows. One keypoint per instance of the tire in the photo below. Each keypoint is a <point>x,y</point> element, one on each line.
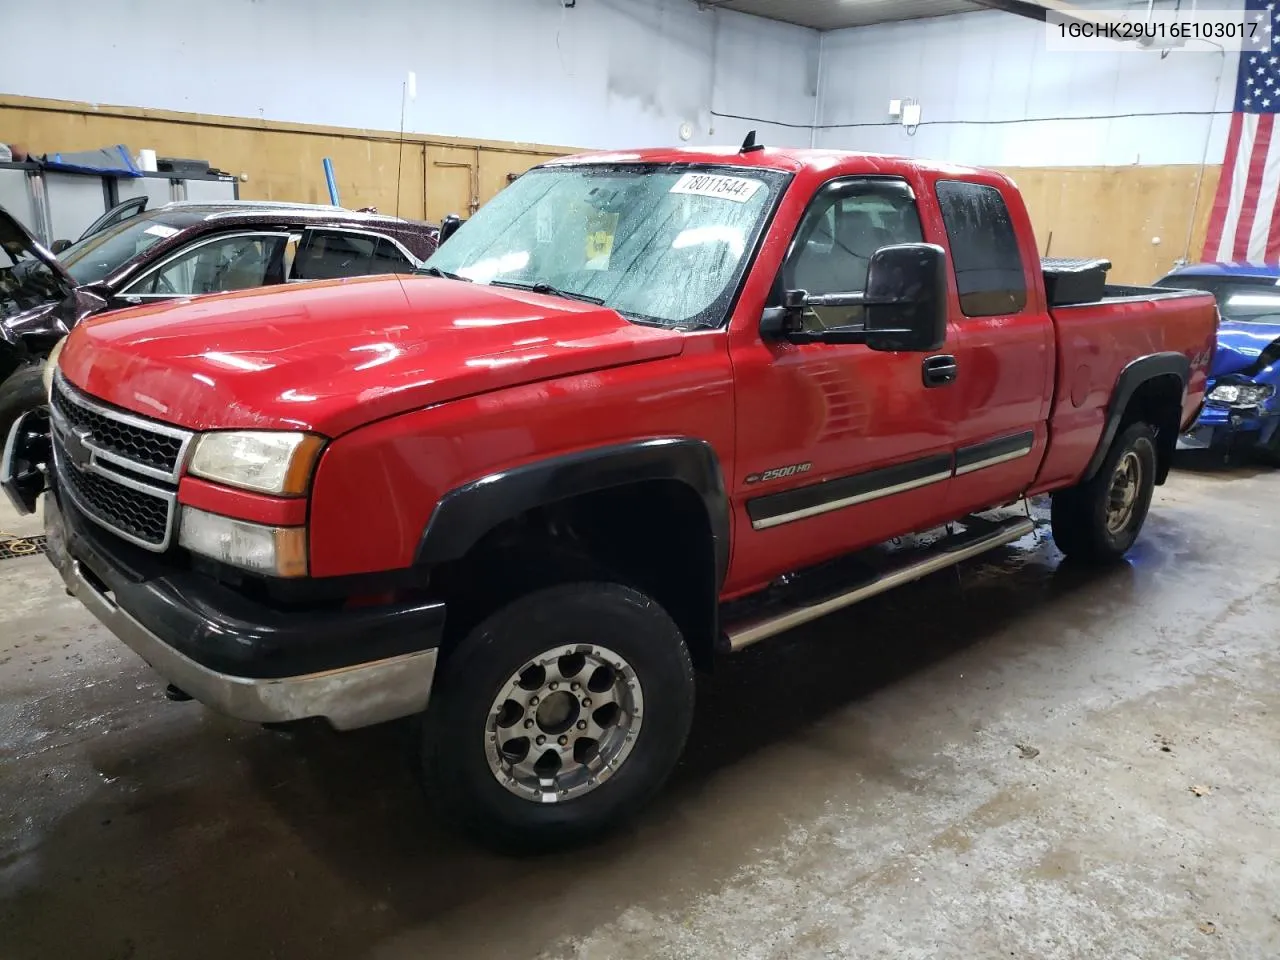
<point>22,391</point>
<point>465,729</point>
<point>1083,526</point>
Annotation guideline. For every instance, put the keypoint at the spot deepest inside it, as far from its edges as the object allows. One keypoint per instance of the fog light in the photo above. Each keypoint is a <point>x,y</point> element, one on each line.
<point>277,551</point>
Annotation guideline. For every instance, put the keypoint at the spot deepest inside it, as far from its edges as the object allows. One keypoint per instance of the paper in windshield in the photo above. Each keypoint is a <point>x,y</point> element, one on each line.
<point>737,189</point>
<point>601,228</point>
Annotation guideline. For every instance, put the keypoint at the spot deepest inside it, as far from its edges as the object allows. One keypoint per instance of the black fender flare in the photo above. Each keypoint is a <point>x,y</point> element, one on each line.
<point>1135,374</point>
<point>467,513</point>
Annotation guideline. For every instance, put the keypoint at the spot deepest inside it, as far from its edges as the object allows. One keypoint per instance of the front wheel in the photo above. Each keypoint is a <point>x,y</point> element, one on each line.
<point>1100,519</point>
<point>559,716</point>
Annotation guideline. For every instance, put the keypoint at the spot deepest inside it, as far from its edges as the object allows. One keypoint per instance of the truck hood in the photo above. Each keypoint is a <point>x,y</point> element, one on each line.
<point>1240,346</point>
<point>330,356</point>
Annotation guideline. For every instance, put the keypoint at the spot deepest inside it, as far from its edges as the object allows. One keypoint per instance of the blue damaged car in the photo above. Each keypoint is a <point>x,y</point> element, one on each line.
<point>1242,409</point>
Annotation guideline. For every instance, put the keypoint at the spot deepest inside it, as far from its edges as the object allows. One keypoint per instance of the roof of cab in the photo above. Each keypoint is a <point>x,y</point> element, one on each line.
<point>775,158</point>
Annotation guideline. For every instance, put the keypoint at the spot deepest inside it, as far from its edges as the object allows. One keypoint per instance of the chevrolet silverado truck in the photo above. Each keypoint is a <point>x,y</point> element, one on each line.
<point>643,409</point>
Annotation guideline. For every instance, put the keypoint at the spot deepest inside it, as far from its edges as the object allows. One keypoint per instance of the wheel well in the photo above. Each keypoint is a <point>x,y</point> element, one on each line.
<point>653,535</point>
<point>1158,403</point>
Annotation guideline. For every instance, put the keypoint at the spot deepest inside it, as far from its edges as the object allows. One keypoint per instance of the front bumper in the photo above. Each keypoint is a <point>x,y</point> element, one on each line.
<point>1227,427</point>
<point>274,668</point>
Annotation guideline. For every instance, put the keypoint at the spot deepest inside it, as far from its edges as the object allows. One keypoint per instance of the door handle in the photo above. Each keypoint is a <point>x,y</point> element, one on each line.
<point>940,370</point>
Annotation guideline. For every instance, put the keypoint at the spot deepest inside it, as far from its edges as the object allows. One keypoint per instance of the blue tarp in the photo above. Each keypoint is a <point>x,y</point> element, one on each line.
<point>111,160</point>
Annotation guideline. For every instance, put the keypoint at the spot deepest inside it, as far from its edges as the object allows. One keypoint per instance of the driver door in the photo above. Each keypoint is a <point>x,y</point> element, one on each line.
<point>838,446</point>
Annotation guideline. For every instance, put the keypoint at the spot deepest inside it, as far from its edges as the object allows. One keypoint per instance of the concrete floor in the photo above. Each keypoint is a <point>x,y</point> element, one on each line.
<point>1007,761</point>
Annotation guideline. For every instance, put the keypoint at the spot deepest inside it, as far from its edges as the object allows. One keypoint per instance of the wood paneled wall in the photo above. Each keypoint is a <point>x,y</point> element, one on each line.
<point>282,161</point>
<point>1078,211</point>
<point>1117,212</point>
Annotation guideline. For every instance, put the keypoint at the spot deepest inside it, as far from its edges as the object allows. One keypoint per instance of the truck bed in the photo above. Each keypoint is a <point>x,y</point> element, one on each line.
<point>1096,340</point>
<point>1122,292</point>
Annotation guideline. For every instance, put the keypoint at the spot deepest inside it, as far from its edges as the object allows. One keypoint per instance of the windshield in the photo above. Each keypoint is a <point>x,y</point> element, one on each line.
<point>1247,299</point>
<point>101,254</point>
<point>658,244</point>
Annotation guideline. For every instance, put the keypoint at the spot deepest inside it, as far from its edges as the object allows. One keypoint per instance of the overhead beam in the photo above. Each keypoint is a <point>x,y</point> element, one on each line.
<point>1040,10</point>
<point>1022,8</point>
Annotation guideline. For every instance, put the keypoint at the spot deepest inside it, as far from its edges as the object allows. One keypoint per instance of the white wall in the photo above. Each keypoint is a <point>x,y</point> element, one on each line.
<point>607,73</point>
<point>616,73</point>
<point>993,66</point>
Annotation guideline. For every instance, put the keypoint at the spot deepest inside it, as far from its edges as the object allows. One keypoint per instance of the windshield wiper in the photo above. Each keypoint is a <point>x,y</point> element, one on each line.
<point>444,274</point>
<point>548,289</point>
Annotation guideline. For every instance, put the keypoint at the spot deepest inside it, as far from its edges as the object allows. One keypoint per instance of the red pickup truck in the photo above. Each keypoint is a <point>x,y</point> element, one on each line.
<point>643,409</point>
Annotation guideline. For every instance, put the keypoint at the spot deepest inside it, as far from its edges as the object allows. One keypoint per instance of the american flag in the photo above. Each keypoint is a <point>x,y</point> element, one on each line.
<point>1244,225</point>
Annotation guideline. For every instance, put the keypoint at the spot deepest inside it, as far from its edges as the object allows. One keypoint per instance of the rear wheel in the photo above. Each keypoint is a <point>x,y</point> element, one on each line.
<point>1100,519</point>
<point>558,716</point>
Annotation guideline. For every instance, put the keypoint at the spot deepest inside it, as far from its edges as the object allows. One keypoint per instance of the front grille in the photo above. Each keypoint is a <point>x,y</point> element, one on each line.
<point>157,446</point>
<point>121,470</point>
<point>142,517</point>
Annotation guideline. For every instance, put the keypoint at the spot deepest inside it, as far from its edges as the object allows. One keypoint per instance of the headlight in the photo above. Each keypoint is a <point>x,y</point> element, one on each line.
<point>1241,394</point>
<point>277,551</point>
<point>266,461</point>
<point>51,366</point>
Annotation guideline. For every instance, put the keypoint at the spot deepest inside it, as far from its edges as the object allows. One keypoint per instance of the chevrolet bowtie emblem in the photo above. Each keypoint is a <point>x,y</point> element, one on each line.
<point>77,450</point>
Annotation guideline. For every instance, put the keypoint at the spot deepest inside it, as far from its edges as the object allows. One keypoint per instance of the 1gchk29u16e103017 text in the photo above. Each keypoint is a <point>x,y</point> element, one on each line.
<point>1114,31</point>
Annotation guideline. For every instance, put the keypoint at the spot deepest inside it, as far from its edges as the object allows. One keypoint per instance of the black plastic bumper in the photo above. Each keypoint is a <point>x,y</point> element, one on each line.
<point>225,631</point>
<point>352,667</point>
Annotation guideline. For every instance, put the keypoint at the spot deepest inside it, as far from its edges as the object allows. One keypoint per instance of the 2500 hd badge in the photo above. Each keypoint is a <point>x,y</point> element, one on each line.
<point>780,473</point>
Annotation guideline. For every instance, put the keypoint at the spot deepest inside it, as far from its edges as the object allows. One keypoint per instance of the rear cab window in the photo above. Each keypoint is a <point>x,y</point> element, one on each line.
<point>990,277</point>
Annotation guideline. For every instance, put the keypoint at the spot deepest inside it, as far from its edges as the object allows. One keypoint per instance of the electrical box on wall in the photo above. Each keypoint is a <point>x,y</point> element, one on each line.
<point>895,109</point>
<point>911,115</point>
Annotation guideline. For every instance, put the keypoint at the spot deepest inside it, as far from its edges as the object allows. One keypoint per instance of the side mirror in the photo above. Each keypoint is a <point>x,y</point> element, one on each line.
<point>905,301</point>
<point>59,246</point>
<point>448,227</point>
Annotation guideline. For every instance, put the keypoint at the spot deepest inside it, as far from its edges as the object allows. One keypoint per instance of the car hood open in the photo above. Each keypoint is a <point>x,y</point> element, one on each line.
<point>333,355</point>
<point>14,233</point>
<point>1245,348</point>
<point>27,307</point>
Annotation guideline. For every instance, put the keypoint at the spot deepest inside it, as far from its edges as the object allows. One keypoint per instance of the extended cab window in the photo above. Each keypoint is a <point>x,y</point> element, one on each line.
<point>845,224</point>
<point>661,244</point>
<point>984,249</point>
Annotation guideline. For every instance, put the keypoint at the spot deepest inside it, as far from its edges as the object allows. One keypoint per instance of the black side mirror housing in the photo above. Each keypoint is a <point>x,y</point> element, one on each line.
<point>448,227</point>
<point>907,298</point>
<point>905,301</point>
<point>59,246</point>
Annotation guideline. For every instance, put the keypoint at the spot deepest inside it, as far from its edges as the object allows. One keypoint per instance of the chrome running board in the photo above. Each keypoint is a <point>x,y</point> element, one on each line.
<point>948,552</point>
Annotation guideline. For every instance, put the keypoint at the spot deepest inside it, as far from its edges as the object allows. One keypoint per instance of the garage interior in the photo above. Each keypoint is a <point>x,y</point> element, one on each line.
<point>1016,757</point>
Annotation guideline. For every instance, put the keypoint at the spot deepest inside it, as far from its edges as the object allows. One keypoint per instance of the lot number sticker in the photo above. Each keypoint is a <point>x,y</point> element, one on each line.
<point>737,189</point>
